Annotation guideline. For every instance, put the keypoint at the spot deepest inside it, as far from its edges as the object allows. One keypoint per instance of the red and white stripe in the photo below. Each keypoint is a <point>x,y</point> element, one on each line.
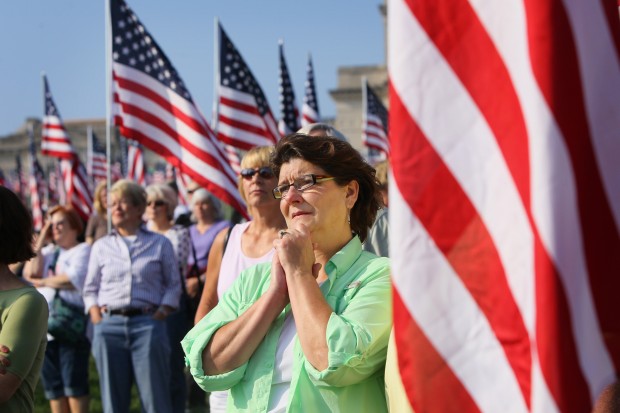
<point>374,131</point>
<point>172,127</point>
<point>239,122</point>
<point>97,165</point>
<point>55,141</point>
<point>505,202</point>
<point>77,192</point>
<point>35,199</point>
<point>182,181</point>
<point>135,163</point>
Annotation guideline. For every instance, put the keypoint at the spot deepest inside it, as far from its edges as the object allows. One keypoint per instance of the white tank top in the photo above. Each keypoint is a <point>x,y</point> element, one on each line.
<point>234,260</point>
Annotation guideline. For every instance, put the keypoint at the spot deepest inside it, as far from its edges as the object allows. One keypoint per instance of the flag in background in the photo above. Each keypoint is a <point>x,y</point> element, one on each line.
<point>374,121</point>
<point>55,142</point>
<point>135,162</point>
<point>19,182</point>
<point>152,105</point>
<point>36,183</point>
<point>289,114</point>
<point>55,193</point>
<point>310,108</point>
<point>182,181</point>
<point>244,117</point>
<point>505,202</point>
<point>96,161</point>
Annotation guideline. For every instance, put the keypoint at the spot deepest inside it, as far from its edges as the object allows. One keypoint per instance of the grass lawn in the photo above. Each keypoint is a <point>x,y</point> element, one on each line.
<point>41,405</point>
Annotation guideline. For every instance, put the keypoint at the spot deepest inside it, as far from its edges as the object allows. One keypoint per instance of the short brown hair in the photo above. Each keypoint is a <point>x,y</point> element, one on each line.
<point>73,218</point>
<point>15,229</point>
<point>340,160</point>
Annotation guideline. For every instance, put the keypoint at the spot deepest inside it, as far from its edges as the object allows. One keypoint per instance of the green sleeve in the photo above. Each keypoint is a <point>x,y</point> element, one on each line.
<point>24,324</point>
<point>232,304</point>
<point>357,338</point>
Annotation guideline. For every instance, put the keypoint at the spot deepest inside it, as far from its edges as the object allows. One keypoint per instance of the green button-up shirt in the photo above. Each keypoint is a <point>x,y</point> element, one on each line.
<point>359,292</point>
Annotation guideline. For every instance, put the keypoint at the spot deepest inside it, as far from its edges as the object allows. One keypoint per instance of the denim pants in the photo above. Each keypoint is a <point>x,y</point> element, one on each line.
<point>133,348</point>
<point>177,326</point>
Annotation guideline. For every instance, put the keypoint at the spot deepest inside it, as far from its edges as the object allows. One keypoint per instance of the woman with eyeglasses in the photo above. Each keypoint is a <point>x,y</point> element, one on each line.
<point>308,331</point>
<point>161,201</point>
<point>246,244</point>
<point>61,268</point>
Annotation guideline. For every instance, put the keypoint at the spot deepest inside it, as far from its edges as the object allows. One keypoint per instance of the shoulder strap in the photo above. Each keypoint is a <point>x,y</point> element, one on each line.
<point>52,266</point>
<point>230,228</point>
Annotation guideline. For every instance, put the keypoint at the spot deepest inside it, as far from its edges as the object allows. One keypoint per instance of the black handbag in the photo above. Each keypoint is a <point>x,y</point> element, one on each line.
<point>66,322</point>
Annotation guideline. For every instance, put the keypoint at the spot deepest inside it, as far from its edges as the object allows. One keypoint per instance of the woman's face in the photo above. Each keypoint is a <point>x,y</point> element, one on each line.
<point>62,233</point>
<point>204,210</point>
<point>257,188</point>
<point>124,212</point>
<point>103,197</point>
<point>323,208</point>
<point>156,209</point>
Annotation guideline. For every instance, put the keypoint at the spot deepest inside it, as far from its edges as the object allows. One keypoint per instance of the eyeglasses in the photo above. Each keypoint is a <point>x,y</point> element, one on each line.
<point>58,224</point>
<point>264,172</point>
<point>157,203</point>
<point>301,183</point>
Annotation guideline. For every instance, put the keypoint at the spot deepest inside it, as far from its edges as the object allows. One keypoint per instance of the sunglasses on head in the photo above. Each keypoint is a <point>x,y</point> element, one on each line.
<point>157,203</point>
<point>264,172</point>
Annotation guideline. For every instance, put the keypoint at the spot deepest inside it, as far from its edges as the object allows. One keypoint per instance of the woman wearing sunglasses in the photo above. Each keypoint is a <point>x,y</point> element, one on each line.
<point>308,331</point>
<point>246,244</point>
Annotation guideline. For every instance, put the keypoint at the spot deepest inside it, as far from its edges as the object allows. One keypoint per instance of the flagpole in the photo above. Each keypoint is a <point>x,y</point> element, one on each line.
<point>216,77</point>
<point>108,105</point>
<point>89,155</point>
<point>365,112</point>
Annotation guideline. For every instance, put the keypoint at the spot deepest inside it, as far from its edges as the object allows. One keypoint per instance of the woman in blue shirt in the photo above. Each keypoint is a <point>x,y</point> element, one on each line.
<point>309,331</point>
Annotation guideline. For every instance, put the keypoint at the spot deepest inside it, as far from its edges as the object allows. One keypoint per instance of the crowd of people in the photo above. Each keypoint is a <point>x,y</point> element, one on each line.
<point>287,311</point>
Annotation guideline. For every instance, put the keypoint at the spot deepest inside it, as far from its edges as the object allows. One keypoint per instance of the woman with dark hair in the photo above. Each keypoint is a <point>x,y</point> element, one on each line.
<point>60,268</point>
<point>23,311</point>
<point>308,331</point>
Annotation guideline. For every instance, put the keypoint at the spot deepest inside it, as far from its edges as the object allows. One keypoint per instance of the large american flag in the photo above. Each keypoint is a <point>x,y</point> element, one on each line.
<point>135,162</point>
<point>36,182</point>
<point>244,117</point>
<point>374,121</point>
<point>152,105</point>
<point>310,108</point>
<point>55,142</point>
<point>97,166</point>
<point>289,113</point>
<point>505,202</point>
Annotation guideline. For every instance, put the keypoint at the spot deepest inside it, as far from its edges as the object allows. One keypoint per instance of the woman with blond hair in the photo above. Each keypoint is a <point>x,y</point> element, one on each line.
<point>97,225</point>
<point>247,244</point>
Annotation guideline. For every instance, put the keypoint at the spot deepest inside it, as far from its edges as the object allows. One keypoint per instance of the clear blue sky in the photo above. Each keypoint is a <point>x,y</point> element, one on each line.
<point>66,39</point>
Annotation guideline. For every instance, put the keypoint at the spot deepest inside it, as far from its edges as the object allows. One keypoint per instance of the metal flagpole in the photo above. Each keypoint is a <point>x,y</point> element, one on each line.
<point>108,106</point>
<point>216,77</point>
<point>89,155</point>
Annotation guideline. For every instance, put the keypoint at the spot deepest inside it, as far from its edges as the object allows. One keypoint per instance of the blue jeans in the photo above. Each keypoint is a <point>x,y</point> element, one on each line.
<point>128,349</point>
<point>65,369</point>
